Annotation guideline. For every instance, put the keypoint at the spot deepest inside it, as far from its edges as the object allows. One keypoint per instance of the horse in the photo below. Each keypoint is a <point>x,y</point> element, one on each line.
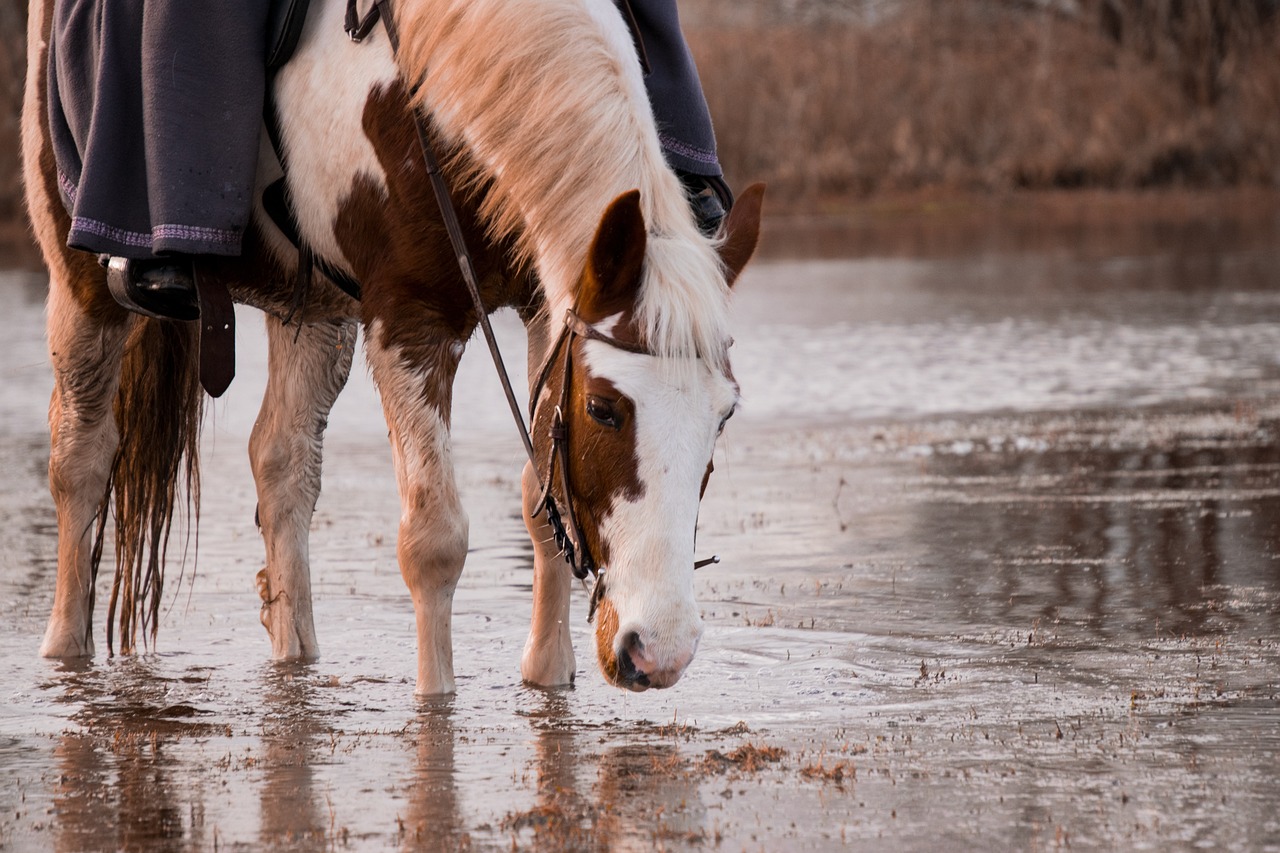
<point>573,219</point>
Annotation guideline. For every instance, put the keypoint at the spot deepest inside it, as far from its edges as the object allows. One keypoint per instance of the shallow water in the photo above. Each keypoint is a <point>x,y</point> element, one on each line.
<point>1001,567</point>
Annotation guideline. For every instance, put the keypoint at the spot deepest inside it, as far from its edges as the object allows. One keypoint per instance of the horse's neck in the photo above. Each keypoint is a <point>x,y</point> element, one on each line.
<point>548,98</point>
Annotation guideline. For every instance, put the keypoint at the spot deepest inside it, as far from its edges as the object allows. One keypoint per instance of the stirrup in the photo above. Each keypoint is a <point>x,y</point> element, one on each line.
<point>163,288</point>
<point>710,198</point>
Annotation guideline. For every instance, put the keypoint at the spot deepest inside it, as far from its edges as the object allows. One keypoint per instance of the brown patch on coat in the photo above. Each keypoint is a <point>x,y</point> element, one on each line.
<point>603,465</point>
<point>78,271</point>
<point>398,247</point>
<point>606,631</point>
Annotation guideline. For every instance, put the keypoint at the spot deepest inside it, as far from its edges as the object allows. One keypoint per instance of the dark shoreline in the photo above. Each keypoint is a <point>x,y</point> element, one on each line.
<point>934,224</point>
<point>1099,223</point>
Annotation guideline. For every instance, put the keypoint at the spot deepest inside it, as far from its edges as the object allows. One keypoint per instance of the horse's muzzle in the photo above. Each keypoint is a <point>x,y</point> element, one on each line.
<point>639,670</point>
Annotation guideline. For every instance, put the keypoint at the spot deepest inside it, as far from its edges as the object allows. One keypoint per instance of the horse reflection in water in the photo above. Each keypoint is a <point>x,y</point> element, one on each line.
<point>139,774</point>
<point>573,217</point>
<point>119,769</point>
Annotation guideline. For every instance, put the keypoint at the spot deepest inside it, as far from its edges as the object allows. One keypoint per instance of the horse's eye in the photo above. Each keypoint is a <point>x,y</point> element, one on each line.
<point>725,420</point>
<point>603,412</point>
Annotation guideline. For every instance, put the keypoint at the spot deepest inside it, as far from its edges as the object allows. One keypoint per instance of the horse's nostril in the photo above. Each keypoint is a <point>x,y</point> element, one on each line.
<point>631,643</point>
<point>626,667</point>
<point>627,671</point>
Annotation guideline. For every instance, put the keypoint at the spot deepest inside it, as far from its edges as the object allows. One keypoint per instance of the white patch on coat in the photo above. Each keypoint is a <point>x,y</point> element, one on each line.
<point>321,95</point>
<point>649,579</point>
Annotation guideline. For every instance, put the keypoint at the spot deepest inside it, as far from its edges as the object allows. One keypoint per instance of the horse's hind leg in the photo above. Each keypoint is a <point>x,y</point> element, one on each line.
<point>416,384</point>
<point>86,342</point>
<point>86,333</point>
<point>308,370</point>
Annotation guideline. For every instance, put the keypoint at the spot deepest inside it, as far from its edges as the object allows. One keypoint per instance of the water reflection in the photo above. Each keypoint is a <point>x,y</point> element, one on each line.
<point>1121,543</point>
<point>631,795</point>
<point>293,736</point>
<point>433,819</point>
<point>116,788</point>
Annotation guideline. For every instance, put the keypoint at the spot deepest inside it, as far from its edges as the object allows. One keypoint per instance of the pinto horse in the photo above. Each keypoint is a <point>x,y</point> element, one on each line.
<point>572,216</point>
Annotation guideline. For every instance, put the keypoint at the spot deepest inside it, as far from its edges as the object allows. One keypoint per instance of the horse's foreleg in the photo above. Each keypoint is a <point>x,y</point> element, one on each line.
<point>432,541</point>
<point>548,652</point>
<point>308,369</point>
<point>85,347</point>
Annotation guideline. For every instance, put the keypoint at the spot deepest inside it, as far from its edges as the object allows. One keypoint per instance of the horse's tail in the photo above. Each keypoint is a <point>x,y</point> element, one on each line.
<point>158,411</point>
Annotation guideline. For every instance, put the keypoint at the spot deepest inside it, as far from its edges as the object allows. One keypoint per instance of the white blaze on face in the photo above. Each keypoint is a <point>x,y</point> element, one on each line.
<point>649,579</point>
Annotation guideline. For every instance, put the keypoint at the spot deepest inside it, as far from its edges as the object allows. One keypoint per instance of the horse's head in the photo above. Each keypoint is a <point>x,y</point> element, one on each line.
<point>637,431</point>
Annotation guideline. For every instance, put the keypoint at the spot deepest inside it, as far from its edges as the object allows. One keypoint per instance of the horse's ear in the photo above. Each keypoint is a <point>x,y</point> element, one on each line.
<point>742,231</point>
<point>616,259</point>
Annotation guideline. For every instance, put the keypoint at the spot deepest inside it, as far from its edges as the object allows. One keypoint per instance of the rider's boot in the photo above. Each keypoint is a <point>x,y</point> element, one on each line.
<point>710,198</point>
<point>163,288</point>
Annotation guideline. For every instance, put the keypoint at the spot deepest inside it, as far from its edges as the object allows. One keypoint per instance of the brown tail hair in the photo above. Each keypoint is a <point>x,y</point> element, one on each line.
<point>158,412</point>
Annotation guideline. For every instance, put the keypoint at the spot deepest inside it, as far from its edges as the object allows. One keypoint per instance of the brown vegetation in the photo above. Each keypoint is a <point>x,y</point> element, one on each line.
<point>15,239</point>
<point>996,94</point>
<point>747,758</point>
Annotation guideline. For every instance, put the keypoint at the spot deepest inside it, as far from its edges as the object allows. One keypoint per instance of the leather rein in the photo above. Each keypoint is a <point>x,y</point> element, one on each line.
<point>569,538</point>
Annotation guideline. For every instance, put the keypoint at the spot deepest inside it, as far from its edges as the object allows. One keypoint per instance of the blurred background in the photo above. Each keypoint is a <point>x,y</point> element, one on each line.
<point>840,103</point>
<point>832,100</point>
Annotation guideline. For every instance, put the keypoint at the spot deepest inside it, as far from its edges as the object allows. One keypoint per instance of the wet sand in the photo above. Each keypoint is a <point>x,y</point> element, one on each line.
<point>1001,568</point>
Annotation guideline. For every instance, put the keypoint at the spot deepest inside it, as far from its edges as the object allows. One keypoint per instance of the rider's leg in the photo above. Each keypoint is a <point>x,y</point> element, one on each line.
<point>684,122</point>
<point>156,119</point>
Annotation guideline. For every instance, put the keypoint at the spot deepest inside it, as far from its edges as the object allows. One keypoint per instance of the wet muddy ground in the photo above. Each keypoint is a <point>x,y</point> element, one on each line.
<point>1001,568</point>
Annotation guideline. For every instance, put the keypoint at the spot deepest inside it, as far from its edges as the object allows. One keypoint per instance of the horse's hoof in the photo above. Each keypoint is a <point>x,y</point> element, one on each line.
<point>161,288</point>
<point>59,645</point>
<point>548,668</point>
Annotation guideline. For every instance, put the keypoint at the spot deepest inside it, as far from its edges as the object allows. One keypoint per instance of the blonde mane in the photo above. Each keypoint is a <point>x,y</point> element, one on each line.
<point>547,99</point>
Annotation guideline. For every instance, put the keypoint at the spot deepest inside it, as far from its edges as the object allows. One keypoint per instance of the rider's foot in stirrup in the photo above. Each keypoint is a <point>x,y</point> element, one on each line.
<point>710,198</point>
<point>163,288</point>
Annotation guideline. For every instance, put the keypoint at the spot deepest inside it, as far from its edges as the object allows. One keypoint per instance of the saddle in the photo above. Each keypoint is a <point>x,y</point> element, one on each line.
<point>284,29</point>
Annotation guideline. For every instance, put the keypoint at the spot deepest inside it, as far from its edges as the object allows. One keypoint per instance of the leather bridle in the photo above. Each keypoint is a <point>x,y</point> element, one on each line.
<point>568,537</point>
